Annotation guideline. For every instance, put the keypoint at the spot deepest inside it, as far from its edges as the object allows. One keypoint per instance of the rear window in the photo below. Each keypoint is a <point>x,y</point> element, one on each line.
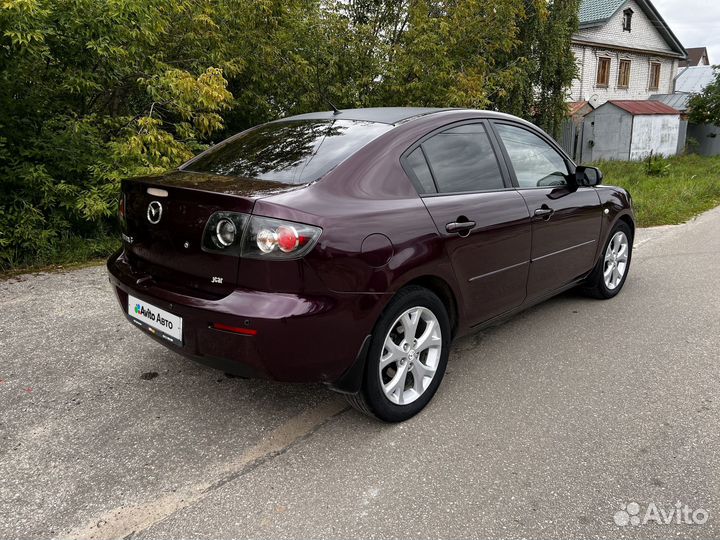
<point>292,152</point>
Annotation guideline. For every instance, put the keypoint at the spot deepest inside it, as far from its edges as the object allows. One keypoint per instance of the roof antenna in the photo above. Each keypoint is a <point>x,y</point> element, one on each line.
<point>336,111</point>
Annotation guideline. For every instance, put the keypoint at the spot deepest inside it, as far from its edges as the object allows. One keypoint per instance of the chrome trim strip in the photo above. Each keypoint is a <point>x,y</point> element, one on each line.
<point>498,271</point>
<point>562,250</point>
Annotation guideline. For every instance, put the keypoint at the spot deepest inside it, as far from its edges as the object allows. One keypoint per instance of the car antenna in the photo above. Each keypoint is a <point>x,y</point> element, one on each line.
<point>326,99</point>
<point>332,105</point>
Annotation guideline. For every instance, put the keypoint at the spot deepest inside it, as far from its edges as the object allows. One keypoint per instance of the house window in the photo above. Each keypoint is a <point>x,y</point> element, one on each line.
<point>654,75</point>
<point>627,20</point>
<point>603,72</point>
<point>624,74</point>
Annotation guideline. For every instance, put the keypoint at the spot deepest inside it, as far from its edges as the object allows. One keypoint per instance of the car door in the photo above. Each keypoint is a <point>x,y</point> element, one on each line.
<point>566,219</point>
<point>484,222</point>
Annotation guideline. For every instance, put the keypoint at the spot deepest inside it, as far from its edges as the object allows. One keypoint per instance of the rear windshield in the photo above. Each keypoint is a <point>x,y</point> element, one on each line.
<point>292,152</point>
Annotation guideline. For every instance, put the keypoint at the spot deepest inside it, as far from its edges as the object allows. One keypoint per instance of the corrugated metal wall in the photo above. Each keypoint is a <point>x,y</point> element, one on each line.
<point>707,138</point>
<point>569,139</point>
<point>682,136</point>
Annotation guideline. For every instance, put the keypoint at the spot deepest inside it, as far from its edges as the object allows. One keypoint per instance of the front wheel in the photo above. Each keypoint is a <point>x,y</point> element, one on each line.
<point>611,271</point>
<point>407,357</point>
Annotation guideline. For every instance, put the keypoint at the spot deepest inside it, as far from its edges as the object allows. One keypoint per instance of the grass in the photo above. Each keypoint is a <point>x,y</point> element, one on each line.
<point>73,252</point>
<point>688,186</point>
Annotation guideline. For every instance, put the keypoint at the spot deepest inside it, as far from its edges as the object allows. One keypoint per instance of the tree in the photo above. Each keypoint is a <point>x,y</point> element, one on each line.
<point>96,90</point>
<point>705,107</point>
<point>91,92</point>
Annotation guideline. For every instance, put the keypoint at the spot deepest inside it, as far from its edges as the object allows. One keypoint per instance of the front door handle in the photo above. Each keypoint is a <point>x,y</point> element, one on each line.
<point>544,212</point>
<point>459,226</point>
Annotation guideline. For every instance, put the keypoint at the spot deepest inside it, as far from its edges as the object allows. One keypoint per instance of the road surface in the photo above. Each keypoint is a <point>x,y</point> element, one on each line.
<point>543,427</point>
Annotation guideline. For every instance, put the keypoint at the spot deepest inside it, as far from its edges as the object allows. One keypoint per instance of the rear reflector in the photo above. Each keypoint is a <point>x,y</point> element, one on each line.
<point>235,329</point>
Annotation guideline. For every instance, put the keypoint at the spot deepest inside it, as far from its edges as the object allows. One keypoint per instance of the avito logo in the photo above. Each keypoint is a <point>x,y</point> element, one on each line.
<point>148,314</point>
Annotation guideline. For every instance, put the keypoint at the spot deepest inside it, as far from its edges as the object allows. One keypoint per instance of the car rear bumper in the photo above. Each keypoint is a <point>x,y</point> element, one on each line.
<point>317,338</point>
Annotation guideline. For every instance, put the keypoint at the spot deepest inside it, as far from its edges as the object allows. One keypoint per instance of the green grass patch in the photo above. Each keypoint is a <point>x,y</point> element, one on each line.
<point>685,187</point>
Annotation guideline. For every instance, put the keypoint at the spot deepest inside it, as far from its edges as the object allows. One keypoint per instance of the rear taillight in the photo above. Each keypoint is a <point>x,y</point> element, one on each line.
<point>258,237</point>
<point>278,239</point>
<point>223,232</point>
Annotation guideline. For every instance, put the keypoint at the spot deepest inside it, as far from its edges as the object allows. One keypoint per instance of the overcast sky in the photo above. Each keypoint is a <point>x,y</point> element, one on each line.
<point>696,23</point>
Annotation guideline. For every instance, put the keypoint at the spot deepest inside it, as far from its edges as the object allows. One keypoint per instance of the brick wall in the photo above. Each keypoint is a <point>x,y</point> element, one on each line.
<point>639,87</point>
<point>643,45</point>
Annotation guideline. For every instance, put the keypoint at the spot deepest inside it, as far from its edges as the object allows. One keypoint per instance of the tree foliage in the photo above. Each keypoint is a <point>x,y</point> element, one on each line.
<point>96,90</point>
<point>705,107</point>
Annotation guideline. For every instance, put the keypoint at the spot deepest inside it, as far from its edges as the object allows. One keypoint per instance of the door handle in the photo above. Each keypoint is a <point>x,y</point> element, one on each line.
<point>459,226</point>
<point>544,212</point>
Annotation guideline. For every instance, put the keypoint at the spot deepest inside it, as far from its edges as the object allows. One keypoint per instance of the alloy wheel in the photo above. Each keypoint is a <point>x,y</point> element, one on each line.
<point>616,259</point>
<point>410,355</point>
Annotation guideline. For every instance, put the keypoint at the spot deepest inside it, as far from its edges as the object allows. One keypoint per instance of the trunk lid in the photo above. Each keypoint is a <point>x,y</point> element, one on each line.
<point>165,217</point>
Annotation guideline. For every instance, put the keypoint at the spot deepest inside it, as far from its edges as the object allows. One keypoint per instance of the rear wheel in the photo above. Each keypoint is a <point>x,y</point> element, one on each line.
<point>407,357</point>
<point>612,269</point>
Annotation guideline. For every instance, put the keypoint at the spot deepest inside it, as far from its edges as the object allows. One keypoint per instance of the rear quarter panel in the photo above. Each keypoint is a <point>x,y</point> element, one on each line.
<point>369,194</point>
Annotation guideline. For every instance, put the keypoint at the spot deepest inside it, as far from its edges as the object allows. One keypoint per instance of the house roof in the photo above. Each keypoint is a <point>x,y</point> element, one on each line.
<point>694,79</point>
<point>598,12</point>
<point>576,106</point>
<point>677,101</point>
<point>695,54</point>
<point>643,107</point>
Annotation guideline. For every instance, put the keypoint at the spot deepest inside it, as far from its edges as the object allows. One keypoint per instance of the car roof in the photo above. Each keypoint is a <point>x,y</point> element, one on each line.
<point>384,115</point>
<point>395,115</point>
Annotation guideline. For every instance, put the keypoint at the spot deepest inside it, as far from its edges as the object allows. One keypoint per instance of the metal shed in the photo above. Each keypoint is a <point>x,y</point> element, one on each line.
<point>630,130</point>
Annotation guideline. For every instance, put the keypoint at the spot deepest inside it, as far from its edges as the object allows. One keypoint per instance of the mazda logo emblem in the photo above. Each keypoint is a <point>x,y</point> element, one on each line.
<point>154,212</point>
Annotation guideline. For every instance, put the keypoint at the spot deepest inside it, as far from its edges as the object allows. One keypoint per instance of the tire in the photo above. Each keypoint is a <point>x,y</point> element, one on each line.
<point>598,284</point>
<point>399,379</point>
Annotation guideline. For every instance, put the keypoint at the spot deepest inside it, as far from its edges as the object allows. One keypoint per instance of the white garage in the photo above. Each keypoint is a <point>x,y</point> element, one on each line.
<point>630,130</point>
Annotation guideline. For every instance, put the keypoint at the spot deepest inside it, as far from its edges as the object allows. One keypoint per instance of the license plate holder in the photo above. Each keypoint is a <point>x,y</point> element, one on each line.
<point>155,320</point>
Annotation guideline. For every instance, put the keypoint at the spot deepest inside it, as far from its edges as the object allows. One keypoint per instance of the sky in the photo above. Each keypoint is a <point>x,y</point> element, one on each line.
<point>694,22</point>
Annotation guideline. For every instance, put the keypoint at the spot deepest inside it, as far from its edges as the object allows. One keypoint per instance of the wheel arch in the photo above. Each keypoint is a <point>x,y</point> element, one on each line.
<point>628,220</point>
<point>350,382</point>
<point>442,290</point>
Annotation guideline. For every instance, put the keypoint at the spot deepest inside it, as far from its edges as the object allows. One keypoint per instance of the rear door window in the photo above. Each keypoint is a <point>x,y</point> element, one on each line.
<point>462,159</point>
<point>292,152</point>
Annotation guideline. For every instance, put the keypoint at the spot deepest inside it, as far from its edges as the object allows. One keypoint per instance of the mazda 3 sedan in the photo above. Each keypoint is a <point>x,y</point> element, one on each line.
<point>352,247</point>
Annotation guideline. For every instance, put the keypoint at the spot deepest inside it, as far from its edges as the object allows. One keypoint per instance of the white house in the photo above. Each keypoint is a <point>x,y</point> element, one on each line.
<point>624,51</point>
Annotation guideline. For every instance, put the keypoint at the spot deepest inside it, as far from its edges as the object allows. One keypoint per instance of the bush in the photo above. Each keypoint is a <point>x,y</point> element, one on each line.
<point>656,165</point>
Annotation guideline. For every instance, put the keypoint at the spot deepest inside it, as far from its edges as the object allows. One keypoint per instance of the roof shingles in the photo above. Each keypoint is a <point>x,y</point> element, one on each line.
<point>598,10</point>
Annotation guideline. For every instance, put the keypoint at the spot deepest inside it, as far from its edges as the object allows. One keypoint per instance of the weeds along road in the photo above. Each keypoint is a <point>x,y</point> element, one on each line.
<point>543,427</point>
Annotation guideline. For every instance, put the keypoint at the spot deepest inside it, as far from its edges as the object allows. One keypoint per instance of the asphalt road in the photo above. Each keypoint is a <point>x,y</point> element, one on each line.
<point>543,427</point>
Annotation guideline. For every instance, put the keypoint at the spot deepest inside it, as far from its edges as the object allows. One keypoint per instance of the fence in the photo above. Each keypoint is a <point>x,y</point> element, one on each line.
<point>570,138</point>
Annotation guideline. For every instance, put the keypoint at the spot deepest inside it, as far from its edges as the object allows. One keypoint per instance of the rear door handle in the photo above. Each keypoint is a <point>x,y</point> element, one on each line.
<point>544,212</point>
<point>459,226</point>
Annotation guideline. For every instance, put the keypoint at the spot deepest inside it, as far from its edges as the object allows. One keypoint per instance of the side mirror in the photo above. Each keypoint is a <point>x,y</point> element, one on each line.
<point>587,176</point>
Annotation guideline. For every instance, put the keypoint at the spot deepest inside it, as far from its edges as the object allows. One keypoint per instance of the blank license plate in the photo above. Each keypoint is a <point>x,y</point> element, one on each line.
<point>155,320</point>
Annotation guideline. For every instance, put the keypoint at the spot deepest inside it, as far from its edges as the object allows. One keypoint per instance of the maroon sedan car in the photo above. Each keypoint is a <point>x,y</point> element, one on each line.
<point>352,247</point>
